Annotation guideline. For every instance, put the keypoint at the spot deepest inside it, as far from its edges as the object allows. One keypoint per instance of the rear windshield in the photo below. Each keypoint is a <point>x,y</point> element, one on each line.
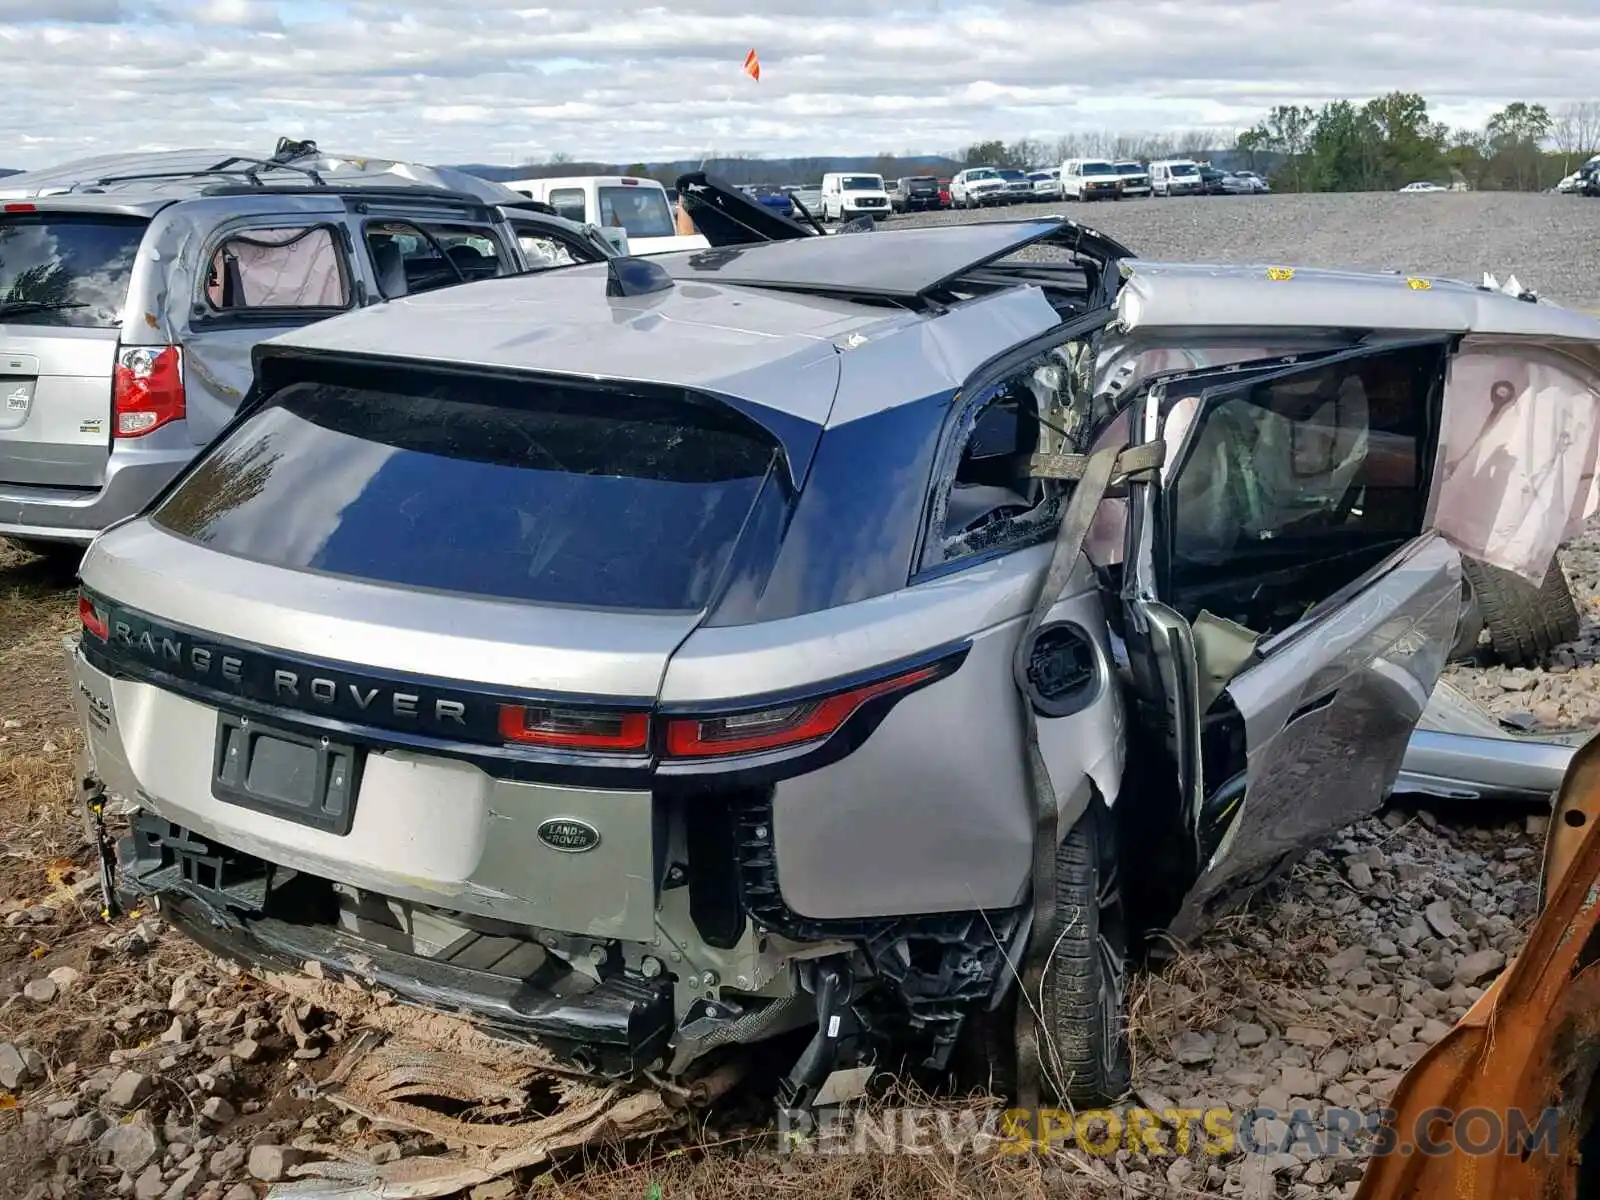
<point>642,211</point>
<point>66,268</point>
<point>514,491</point>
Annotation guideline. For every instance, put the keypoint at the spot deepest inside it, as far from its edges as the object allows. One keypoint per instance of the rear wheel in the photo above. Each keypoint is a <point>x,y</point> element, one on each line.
<point>1525,622</point>
<point>1081,1014</point>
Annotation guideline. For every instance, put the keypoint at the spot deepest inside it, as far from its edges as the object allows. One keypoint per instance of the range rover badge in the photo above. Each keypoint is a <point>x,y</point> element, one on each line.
<point>568,835</point>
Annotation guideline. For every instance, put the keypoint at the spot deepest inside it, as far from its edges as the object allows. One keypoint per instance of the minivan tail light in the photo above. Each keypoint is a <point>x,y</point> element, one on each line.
<point>147,389</point>
<point>89,617</point>
<point>22,208</point>
<point>781,725</point>
<point>556,728</point>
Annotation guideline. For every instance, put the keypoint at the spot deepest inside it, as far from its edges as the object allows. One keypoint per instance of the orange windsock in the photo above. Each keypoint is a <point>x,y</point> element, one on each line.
<point>752,66</point>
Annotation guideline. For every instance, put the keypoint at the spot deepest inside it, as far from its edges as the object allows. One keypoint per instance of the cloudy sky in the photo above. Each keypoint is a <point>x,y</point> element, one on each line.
<point>500,81</point>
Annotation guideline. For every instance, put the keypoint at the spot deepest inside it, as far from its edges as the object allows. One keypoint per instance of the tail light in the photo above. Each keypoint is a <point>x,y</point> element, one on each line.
<point>776,727</point>
<point>574,728</point>
<point>782,725</point>
<point>89,617</point>
<point>147,389</point>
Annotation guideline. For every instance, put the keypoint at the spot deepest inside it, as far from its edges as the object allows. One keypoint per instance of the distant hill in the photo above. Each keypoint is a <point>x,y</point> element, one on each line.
<point>4,171</point>
<point>734,170</point>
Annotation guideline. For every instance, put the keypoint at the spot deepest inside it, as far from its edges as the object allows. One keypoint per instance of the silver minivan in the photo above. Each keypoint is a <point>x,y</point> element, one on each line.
<point>133,289</point>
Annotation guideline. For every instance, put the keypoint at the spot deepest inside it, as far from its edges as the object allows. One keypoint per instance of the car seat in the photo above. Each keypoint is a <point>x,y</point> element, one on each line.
<point>388,263</point>
<point>471,262</point>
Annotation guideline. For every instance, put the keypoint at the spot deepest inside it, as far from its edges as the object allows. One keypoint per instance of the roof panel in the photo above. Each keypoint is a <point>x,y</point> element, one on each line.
<point>899,264</point>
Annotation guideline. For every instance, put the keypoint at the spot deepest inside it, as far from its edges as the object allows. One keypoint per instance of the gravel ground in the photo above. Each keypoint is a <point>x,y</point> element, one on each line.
<point>1551,243</point>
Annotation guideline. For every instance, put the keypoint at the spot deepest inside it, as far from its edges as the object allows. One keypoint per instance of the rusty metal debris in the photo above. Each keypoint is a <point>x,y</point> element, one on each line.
<point>496,1108</point>
<point>1525,1055</point>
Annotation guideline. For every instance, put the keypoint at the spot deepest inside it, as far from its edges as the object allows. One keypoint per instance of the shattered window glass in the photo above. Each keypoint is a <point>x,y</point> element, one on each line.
<point>991,501</point>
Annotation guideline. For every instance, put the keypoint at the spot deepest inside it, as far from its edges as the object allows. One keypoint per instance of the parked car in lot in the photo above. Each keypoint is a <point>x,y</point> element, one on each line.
<point>1090,179</point>
<point>1046,184</point>
<point>977,187</point>
<point>757,645</point>
<point>1175,177</point>
<point>1134,177</point>
<point>809,197</point>
<point>1423,185</point>
<point>133,288</point>
<point>1212,180</point>
<point>944,193</point>
<point>915,193</point>
<point>770,196</point>
<point>1244,183</point>
<point>847,195</point>
<point>1019,188</point>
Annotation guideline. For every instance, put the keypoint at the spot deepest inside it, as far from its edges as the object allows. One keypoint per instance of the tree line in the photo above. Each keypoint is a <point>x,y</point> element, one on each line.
<point>1391,141</point>
<point>1382,144</point>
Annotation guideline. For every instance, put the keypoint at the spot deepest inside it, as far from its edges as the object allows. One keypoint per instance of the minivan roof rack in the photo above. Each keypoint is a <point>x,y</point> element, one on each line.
<point>237,166</point>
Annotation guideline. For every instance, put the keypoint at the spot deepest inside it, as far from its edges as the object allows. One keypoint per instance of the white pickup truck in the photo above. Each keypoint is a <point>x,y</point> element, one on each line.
<point>639,207</point>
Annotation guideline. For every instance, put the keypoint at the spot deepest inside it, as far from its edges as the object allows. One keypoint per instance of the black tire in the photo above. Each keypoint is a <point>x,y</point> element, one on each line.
<point>1082,1020</point>
<point>1525,622</point>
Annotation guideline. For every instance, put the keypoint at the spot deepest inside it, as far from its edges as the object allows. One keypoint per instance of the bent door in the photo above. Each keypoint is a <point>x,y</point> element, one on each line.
<point>1281,564</point>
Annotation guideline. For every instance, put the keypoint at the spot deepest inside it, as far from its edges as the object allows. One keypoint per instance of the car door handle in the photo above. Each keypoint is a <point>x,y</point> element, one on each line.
<point>1312,706</point>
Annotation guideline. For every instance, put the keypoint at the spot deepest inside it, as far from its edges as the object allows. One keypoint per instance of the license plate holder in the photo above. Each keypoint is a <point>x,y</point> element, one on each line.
<point>303,778</point>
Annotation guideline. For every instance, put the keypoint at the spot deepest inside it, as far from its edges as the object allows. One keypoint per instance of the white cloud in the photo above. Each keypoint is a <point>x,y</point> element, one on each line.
<point>507,80</point>
<point>258,15</point>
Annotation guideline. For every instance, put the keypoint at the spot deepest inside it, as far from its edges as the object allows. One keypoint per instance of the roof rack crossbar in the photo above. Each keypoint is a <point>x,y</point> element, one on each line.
<point>238,166</point>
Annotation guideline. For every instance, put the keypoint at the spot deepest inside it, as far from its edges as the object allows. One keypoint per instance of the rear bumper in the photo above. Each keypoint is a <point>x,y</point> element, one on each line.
<point>617,1027</point>
<point>424,829</point>
<point>76,515</point>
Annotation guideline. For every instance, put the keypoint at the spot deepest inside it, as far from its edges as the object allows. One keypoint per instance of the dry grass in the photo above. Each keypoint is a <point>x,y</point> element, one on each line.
<point>39,828</point>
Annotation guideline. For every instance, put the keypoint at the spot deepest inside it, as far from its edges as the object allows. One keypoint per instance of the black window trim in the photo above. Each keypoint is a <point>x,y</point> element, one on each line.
<point>203,315</point>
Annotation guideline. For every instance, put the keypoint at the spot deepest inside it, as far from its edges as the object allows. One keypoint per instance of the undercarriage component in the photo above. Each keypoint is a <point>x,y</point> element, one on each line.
<point>838,1028</point>
<point>939,966</point>
<point>616,1026</point>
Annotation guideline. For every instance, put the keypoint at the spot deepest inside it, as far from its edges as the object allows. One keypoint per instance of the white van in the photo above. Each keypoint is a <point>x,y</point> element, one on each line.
<point>847,195</point>
<point>1090,179</point>
<point>1175,177</point>
<point>637,207</point>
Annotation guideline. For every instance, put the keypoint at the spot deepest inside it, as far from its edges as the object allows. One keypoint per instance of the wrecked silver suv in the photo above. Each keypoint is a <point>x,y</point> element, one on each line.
<point>844,632</point>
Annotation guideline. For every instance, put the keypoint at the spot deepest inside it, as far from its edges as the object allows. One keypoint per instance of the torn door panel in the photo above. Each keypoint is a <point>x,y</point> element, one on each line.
<point>1327,720</point>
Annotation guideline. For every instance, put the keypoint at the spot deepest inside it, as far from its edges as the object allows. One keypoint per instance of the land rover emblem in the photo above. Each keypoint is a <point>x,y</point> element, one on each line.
<point>568,835</point>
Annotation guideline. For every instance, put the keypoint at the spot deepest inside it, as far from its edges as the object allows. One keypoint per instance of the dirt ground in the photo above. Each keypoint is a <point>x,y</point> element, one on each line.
<point>133,1064</point>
